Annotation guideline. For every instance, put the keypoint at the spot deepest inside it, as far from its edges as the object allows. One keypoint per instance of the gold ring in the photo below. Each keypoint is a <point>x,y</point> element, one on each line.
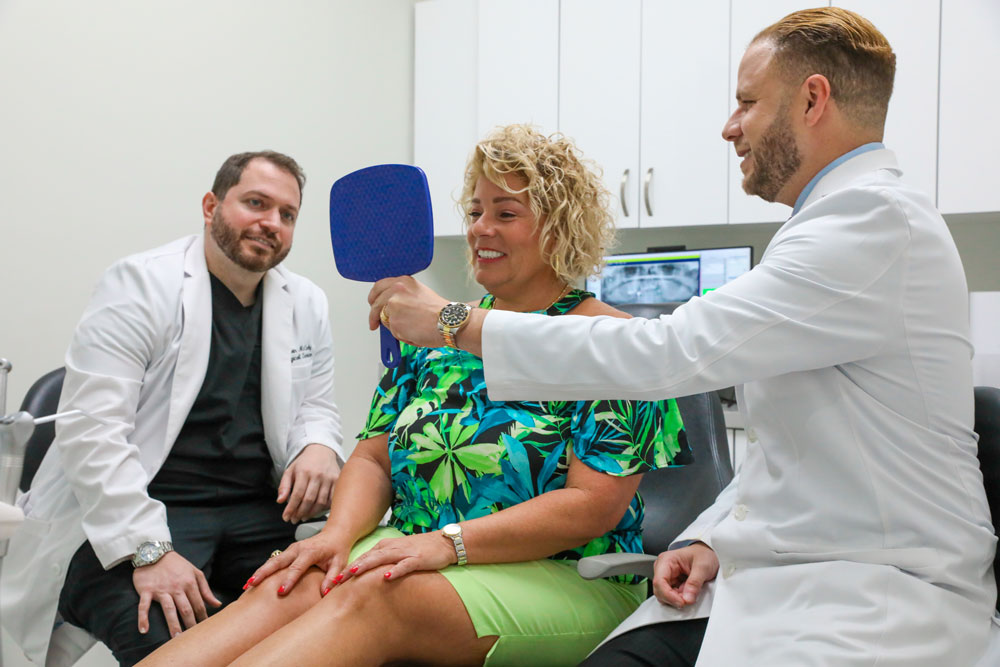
<point>276,552</point>
<point>384,316</point>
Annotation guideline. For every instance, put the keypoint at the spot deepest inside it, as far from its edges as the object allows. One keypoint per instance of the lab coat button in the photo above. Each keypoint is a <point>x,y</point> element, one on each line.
<point>740,512</point>
<point>751,434</point>
<point>56,569</point>
<point>728,571</point>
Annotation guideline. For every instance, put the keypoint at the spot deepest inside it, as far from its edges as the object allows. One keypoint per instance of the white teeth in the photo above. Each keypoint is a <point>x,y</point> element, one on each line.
<point>488,254</point>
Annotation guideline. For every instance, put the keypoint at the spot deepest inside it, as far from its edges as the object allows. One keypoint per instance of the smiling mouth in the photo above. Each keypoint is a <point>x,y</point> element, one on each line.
<point>745,155</point>
<point>485,254</point>
<point>266,243</point>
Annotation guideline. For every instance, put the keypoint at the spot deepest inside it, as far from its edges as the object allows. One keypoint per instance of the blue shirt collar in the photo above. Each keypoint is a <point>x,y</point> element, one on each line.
<point>806,191</point>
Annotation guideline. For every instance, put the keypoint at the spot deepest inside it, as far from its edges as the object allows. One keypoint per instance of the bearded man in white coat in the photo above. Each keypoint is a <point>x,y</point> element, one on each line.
<point>209,368</point>
<point>857,531</point>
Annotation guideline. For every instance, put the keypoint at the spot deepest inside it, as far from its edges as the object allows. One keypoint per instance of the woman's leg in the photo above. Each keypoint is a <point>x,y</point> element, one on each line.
<point>229,633</point>
<point>371,621</point>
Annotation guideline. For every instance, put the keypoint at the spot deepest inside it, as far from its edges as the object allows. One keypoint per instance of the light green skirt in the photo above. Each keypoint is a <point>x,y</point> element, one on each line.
<point>543,612</point>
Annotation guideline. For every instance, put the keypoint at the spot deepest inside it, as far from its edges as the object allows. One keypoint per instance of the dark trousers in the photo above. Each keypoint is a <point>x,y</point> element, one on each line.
<point>226,543</point>
<point>674,644</point>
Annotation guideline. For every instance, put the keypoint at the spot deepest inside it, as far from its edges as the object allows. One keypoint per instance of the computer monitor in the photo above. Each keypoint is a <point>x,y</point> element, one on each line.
<point>657,277</point>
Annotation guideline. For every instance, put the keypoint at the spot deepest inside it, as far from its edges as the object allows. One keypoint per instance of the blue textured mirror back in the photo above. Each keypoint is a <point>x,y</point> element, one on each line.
<point>381,226</point>
<point>381,223</point>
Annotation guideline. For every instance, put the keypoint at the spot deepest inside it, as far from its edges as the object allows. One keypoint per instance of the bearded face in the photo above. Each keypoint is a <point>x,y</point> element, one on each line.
<point>776,158</point>
<point>253,249</point>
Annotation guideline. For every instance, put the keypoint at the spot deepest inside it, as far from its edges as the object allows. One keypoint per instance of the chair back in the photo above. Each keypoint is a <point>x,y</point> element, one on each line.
<point>675,496</point>
<point>988,428</point>
<point>42,399</point>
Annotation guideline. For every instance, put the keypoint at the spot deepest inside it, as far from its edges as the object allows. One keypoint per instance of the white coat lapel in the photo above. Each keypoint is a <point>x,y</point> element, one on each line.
<point>276,371</point>
<point>196,339</point>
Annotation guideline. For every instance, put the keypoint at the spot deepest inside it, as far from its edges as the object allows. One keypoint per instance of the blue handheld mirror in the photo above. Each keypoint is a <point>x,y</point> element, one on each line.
<point>381,225</point>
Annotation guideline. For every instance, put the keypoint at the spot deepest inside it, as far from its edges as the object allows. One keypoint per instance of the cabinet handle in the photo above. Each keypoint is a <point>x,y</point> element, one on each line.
<point>622,192</point>
<point>645,189</point>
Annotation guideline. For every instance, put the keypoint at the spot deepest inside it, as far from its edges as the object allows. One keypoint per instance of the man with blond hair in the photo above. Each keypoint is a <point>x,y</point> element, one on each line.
<point>857,531</point>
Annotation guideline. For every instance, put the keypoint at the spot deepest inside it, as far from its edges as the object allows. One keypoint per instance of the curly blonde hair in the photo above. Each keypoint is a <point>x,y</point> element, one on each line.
<point>565,192</point>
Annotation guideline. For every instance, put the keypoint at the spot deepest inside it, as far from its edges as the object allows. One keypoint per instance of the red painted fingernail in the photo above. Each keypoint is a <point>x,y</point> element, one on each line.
<point>337,579</point>
<point>387,575</point>
<point>249,582</point>
<point>354,569</point>
<point>326,591</point>
<point>281,590</point>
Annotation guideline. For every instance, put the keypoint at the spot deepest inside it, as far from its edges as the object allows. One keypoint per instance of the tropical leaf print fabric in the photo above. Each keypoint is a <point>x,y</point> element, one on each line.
<point>456,455</point>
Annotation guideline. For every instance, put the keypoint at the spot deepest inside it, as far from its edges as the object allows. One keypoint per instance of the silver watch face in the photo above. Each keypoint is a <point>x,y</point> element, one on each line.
<point>452,530</point>
<point>454,314</point>
<point>149,551</point>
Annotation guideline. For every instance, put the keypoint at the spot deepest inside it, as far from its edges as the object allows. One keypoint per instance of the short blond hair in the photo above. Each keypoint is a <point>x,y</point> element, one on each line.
<point>844,47</point>
<point>564,190</point>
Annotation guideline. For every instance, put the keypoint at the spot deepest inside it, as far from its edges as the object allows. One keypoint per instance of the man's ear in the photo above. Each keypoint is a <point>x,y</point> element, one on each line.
<point>816,90</point>
<point>208,205</point>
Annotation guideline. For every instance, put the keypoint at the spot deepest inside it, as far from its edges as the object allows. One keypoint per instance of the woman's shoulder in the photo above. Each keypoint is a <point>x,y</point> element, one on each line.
<point>594,307</point>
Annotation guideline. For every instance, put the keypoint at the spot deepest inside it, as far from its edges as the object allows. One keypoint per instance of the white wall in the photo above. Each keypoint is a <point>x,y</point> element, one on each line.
<point>115,115</point>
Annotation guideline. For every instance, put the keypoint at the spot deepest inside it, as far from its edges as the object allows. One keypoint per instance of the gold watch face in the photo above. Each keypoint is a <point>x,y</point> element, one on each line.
<point>454,314</point>
<point>452,530</point>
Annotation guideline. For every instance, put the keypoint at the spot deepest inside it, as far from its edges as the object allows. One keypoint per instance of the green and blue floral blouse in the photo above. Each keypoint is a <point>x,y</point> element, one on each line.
<point>457,455</point>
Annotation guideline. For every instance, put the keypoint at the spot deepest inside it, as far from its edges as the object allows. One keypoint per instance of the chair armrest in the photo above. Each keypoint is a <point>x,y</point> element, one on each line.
<point>609,565</point>
<point>308,529</point>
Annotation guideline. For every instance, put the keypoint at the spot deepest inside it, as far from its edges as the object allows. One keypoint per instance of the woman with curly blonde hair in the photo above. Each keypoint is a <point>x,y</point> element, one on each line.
<point>491,502</point>
<point>565,195</point>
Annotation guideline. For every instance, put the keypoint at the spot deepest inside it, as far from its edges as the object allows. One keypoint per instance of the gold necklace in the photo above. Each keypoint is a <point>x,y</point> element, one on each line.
<point>565,290</point>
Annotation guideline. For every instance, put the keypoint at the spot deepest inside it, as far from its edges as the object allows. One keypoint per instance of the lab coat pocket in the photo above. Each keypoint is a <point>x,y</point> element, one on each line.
<point>301,370</point>
<point>917,558</point>
<point>33,527</point>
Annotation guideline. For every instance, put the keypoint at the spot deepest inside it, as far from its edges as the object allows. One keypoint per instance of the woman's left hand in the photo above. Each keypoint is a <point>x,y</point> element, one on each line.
<point>403,555</point>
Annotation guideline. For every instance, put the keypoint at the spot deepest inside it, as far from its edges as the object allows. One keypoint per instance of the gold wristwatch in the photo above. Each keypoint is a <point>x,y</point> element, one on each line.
<point>451,319</point>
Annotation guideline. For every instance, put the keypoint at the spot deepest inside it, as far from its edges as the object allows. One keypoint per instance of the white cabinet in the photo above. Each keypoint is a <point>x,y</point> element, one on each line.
<point>747,19</point>
<point>518,68</point>
<point>478,65</point>
<point>645,86</point>
<point>684,103</point>
<point>646,99</point>
<point>444,101</point>
<point>599,50</point>
<point>911,26</point>
<point>969,144</point>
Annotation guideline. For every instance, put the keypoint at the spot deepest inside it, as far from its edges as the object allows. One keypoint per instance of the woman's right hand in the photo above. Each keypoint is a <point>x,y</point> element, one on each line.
<point>323,550</point>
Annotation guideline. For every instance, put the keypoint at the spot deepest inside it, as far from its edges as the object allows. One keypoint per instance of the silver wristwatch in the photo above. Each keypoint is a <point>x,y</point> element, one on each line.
<point>454,531</point>
<point>150,552</point>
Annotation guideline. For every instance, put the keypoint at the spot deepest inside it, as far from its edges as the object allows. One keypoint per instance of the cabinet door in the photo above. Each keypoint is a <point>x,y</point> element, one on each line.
<point>683,159</point>
<point>599,92</point>
<point>911,26</point>
<point>518,64</point>
<point>444,101</point>
<point>748,18</point>
<point>969,143</point>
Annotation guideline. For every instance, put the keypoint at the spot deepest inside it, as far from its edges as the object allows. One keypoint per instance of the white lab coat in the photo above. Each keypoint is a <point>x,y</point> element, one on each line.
<point>857,531</point>
<point>138,359</point>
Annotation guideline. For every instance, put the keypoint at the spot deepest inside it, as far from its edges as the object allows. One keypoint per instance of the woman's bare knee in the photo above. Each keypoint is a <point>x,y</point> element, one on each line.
<point>293,603</point>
